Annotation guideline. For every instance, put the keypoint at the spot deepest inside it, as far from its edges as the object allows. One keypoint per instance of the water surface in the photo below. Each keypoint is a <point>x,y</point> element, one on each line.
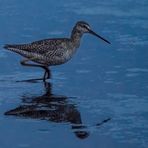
<point>98,99</point>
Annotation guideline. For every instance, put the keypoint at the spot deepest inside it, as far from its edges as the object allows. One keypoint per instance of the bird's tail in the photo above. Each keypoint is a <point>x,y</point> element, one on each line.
<point>9,47</point>
<point>17,49</point>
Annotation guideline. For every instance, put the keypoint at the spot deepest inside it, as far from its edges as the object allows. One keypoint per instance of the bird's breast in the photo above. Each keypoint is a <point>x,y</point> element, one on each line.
<point>63,57</point>
<point>67,55</point>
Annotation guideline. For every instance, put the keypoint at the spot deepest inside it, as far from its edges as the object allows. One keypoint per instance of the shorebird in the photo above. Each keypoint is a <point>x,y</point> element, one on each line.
<point>56,51</point>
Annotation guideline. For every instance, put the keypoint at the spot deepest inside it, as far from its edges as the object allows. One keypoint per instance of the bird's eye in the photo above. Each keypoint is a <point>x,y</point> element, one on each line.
<point>87,27</point>
<point>84,26</point>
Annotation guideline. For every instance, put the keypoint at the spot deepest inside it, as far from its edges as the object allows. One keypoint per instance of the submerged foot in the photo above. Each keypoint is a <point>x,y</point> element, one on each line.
<point>33,80</point>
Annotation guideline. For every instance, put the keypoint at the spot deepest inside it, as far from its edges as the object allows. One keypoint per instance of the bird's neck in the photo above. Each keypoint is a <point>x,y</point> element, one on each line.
<point>76,37</point>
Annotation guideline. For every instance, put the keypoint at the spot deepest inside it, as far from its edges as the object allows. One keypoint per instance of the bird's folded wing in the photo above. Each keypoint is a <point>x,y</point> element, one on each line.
<point>40,47</point>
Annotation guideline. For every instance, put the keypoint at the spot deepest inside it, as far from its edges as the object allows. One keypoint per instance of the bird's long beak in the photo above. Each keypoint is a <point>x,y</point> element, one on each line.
<point>93,33</point>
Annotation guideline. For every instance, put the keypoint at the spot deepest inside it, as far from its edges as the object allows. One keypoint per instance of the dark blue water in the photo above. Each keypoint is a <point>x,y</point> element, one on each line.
<point>98,99</point>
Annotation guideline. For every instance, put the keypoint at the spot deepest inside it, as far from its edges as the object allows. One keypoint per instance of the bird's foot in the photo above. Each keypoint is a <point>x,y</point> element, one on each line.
<point>33,80</point>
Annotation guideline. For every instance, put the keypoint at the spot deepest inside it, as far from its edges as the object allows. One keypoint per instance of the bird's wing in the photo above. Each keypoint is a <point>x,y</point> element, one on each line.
<point>40,47</point>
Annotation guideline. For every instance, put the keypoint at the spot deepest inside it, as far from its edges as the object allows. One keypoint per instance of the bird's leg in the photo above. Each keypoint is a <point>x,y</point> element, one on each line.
<point>47,72</point>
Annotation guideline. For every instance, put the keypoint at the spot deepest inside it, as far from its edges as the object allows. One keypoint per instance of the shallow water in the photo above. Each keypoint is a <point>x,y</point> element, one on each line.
<point>98,99</point>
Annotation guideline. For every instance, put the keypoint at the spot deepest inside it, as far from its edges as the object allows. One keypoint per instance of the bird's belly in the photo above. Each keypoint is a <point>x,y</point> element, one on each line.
<point>60,59</point>
<point>56,59</point>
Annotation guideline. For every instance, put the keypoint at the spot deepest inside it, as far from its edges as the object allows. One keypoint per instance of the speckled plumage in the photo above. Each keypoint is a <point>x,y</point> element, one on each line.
<point>55,51</point>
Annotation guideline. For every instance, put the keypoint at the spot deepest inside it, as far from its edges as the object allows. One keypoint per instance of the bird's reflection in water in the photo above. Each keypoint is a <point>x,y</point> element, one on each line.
<point>55,108</point>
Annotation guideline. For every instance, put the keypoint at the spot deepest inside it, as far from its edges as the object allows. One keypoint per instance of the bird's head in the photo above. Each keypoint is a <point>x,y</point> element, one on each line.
<point>84,27</point>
